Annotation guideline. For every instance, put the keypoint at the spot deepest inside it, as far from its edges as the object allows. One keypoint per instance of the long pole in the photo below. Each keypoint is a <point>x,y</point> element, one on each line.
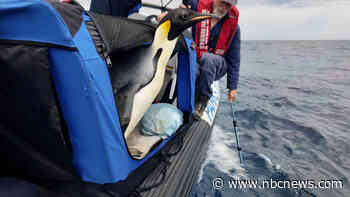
<point>239,149</point>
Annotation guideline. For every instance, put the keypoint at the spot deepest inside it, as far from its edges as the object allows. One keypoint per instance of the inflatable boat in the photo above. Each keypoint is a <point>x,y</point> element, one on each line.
<point>61,130</point>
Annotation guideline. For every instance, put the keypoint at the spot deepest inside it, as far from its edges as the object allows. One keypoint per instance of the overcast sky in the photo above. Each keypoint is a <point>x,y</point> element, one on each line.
<point>288,19</point>
<point>292,19</point>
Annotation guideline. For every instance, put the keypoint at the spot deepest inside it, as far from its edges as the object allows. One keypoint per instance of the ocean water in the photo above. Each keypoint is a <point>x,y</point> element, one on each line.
<point>293,110</point>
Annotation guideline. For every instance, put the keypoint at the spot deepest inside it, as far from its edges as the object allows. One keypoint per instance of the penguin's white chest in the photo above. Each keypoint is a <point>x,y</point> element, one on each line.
<point>145,97</point>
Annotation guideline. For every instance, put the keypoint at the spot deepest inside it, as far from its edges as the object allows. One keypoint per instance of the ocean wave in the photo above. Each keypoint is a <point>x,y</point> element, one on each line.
<point>283,102</point>
<point>292,118</point>
<point>221,154</point>
<point>303,90</point>
<point>258,119</point>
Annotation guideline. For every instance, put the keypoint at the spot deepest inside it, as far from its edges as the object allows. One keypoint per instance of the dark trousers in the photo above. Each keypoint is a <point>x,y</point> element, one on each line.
<point>113,7</point>
<point>210,68</point>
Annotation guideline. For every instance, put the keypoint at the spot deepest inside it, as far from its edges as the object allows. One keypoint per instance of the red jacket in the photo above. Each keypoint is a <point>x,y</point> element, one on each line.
<point>227,32</point>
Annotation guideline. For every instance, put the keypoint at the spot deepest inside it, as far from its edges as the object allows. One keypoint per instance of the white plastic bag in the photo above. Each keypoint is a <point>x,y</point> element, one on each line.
<point>161,119</point>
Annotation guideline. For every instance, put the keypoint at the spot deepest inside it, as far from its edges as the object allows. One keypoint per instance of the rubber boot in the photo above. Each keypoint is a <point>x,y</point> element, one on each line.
<point>200,105</point>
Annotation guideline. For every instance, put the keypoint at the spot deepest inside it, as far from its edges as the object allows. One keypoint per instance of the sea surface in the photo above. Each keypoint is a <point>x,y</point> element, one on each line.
<point>293,110</point>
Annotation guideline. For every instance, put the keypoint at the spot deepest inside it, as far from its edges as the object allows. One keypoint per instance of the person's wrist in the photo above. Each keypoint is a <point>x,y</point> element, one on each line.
<point>231,95</point>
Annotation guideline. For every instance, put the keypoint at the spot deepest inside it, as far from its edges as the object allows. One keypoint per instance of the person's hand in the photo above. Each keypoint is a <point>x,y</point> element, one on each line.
<point>161,16</point>
<point>231,95</point>
<point>184,6</point>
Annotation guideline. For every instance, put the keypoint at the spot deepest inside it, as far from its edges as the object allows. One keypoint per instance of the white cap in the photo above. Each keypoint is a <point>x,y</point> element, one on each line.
<point>232,2</point>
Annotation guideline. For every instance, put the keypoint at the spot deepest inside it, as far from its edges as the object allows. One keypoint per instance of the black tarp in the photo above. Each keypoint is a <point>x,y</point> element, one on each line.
<point>33,135</point>
<point>70,13</point>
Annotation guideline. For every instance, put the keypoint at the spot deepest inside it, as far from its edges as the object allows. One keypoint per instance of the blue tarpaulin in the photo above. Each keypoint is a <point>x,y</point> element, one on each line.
<point>186,78</point>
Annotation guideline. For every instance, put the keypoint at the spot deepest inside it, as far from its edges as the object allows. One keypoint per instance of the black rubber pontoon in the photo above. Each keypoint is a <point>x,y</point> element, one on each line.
<point>184,167</point>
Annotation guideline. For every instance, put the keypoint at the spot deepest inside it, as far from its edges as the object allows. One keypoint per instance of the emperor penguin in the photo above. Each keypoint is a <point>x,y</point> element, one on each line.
<point>138,78</point>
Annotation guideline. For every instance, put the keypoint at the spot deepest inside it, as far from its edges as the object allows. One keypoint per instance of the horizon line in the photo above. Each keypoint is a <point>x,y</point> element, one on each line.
<point>297,40</point>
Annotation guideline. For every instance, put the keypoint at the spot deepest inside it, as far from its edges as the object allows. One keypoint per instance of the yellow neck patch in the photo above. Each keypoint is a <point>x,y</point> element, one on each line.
<point>165,27</point>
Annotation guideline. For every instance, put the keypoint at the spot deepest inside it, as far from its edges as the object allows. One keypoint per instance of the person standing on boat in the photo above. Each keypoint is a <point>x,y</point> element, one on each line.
<point>218,46</point>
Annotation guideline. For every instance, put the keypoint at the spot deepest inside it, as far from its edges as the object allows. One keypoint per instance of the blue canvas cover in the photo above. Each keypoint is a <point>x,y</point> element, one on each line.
<point>83,86</point>
<point>43,25</point>
<point>100,153</point>
<point>186,78</point>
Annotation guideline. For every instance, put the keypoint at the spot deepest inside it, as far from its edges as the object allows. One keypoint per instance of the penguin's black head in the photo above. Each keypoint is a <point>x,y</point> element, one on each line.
<point>180,19</point>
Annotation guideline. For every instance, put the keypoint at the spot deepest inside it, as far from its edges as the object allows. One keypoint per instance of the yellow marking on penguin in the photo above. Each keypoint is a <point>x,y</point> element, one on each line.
<point>166,27</point>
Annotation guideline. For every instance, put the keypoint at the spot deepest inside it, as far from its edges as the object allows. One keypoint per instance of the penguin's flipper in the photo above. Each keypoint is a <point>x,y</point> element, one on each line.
<point>124,101</point>
<point>124,105</point>
<point>122,34</point>
<point>131,71</point>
